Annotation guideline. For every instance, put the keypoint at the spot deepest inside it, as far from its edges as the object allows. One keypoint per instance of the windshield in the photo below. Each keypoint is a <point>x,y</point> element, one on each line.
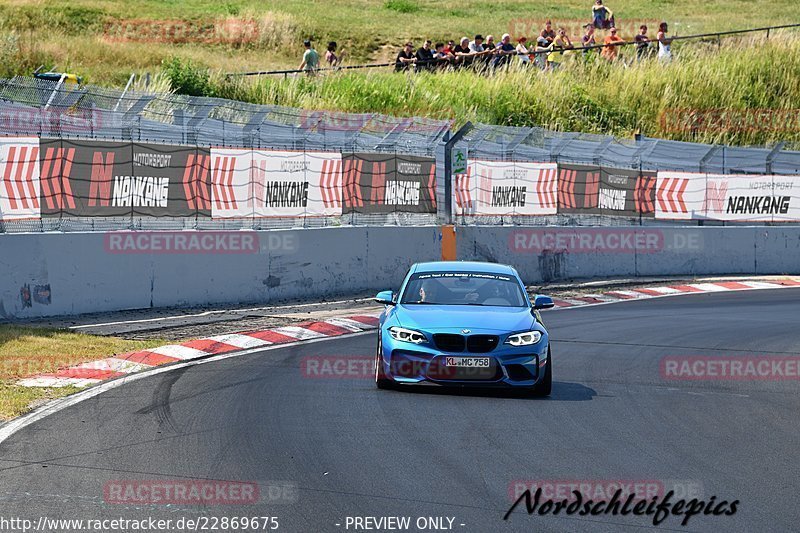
<point>464,288</point>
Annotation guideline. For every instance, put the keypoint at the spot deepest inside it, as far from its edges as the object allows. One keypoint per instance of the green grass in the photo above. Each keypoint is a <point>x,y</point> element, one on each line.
<point>27,351</point>
<point>84,36</point>
<point>592,97</point>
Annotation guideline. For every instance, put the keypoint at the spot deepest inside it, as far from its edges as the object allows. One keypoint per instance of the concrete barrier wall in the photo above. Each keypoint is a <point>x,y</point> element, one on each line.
<point>51,274</point>
<point>562,253</point>
<point>91,272</point>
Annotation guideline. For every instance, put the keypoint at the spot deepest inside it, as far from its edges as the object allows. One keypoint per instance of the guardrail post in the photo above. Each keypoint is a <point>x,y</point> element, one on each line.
<point>448,171</point>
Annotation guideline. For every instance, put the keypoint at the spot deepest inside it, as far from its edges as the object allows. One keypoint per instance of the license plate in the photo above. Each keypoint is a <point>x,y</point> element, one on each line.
<point>468,362</point>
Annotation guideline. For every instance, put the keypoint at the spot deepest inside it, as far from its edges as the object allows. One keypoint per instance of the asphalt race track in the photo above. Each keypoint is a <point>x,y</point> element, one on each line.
<point>340,447</point>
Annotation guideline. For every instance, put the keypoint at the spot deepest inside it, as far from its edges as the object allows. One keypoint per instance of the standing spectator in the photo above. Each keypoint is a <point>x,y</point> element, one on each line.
<point>450,48</point>
<point>425,57</point>
<point>556,55</point>
<point>522,51</point>
<point>602,17</point>
<point>503,52</point>
<point>477,53</point>
<point>405,58</point>
<point>463,53</point>
<point>310,62</point>
<point>611,49</point>
<point>331,56</point>
<point>642,42</point>
<point>588,38</point>
<point>548,35</point>
<point>664,43</point>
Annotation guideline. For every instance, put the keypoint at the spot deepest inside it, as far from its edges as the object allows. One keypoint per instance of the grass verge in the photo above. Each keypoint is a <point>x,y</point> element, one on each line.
<point>26,351</point>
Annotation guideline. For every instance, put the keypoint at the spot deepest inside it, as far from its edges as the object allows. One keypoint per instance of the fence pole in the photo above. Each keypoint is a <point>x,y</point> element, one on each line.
<point>448,171</point>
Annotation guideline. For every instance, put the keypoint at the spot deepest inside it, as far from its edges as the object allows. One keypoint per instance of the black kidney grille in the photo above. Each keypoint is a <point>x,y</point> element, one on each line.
<point>448,342</point>
<point>482,343</point>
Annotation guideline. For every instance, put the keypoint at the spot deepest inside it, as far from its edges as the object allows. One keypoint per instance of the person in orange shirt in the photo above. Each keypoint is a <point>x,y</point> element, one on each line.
<point>611,52</point>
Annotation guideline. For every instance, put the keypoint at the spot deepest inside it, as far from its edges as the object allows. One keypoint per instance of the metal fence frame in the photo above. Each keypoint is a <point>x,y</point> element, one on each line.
<point>35,107</point>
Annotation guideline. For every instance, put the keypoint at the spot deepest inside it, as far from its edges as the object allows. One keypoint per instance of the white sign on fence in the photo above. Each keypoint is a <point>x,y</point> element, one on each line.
<point>493,188</point>
<point>727,197</point>
<point>271,183</point>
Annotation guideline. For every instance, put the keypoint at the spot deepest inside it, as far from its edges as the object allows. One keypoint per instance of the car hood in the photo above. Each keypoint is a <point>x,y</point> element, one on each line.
<point>457,317</point>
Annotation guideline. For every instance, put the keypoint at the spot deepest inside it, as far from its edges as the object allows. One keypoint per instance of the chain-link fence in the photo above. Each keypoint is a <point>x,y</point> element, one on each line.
<point>91,158</point>
<point>510,149</point>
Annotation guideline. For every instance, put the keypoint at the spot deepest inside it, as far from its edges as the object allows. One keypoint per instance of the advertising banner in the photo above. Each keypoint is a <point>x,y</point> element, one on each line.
<point>504,188</point>
<point>92,178</point>
<point>19,178</point>
<point>594,190</point>
<point>271,183</point>
<point>389,183</point>
<point>727,197</point>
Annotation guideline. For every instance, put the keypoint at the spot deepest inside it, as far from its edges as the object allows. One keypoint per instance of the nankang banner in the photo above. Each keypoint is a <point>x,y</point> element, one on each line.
<point>388,183</point>
<point>272,183</point>
<point>594,190</point>
<point>92,178</point>
<point>19,178</point>
<point>727,197</point>
<point>505,188</point>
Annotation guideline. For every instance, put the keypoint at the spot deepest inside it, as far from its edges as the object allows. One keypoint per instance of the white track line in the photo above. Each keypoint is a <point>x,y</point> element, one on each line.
<point>58,405</point>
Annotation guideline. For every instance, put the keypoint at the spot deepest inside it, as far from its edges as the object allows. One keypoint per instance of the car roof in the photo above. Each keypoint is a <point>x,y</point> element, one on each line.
<point>464,266</point>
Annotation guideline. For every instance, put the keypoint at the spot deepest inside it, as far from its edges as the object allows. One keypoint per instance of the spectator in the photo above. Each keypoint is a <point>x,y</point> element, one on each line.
<point>489,49</point>
<point>441,58</point>
<point>462,53</point>
<point>611,49</point>
<point>522,51</point>
<point>556,55</point>
<point>664,43</point>
<point>425,57</point>
<point>588,38</point>
<point>450,48</point>
<point>642,42</point>
<point>310,62</point>
<point>548,35</point>
<point>405,58</point>
<point>503,52</point>
<point>476,46</point>
<point>602,17</point>
<point>331,57</point>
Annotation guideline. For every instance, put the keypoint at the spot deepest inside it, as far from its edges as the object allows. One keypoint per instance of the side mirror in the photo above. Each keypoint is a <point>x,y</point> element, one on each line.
<point>384,297</point>
<point>543,302</point>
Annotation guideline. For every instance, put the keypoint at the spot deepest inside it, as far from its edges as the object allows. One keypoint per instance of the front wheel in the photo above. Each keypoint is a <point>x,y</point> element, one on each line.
<point>381,381</point>
<point>545,387</point>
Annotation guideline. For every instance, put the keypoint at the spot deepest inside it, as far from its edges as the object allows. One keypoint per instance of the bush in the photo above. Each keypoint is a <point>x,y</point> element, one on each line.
<point>401,6</point>
<point>188,77</point>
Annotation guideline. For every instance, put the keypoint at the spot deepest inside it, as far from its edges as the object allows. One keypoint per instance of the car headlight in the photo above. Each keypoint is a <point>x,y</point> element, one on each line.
<point>524,339</point>
<point>407,335</point>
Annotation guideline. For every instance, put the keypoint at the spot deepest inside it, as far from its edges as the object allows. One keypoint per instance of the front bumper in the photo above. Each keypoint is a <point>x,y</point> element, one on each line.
<point>509,366</point>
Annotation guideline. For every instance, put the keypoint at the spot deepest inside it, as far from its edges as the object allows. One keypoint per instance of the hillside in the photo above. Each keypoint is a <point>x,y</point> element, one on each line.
<point>193,43</point>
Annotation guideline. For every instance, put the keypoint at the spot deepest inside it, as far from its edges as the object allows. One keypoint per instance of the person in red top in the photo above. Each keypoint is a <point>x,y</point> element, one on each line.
<point>611,51</point>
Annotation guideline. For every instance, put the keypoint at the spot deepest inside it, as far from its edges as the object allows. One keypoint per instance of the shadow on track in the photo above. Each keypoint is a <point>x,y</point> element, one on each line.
<point>562,392</point>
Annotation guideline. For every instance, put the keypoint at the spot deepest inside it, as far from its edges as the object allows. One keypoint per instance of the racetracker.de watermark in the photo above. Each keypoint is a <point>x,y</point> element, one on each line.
<point>197,492</point>
<point>222,31</point>
<point>603,240</point>
<point>731,368</point>
<point>532,27</point>
<point>198,242</point>
<point>681,120</point>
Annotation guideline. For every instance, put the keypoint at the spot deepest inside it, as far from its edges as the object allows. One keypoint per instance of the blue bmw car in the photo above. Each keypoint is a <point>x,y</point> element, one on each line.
<point>464,324</point>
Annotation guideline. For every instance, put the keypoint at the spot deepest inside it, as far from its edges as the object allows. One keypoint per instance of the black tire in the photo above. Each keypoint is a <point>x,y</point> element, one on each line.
<point>381,381</point>
<point>545,387</point>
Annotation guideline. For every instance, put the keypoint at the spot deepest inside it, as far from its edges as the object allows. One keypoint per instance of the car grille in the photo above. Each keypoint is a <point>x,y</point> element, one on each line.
<point>448,342</point>
<point>482,343</point>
